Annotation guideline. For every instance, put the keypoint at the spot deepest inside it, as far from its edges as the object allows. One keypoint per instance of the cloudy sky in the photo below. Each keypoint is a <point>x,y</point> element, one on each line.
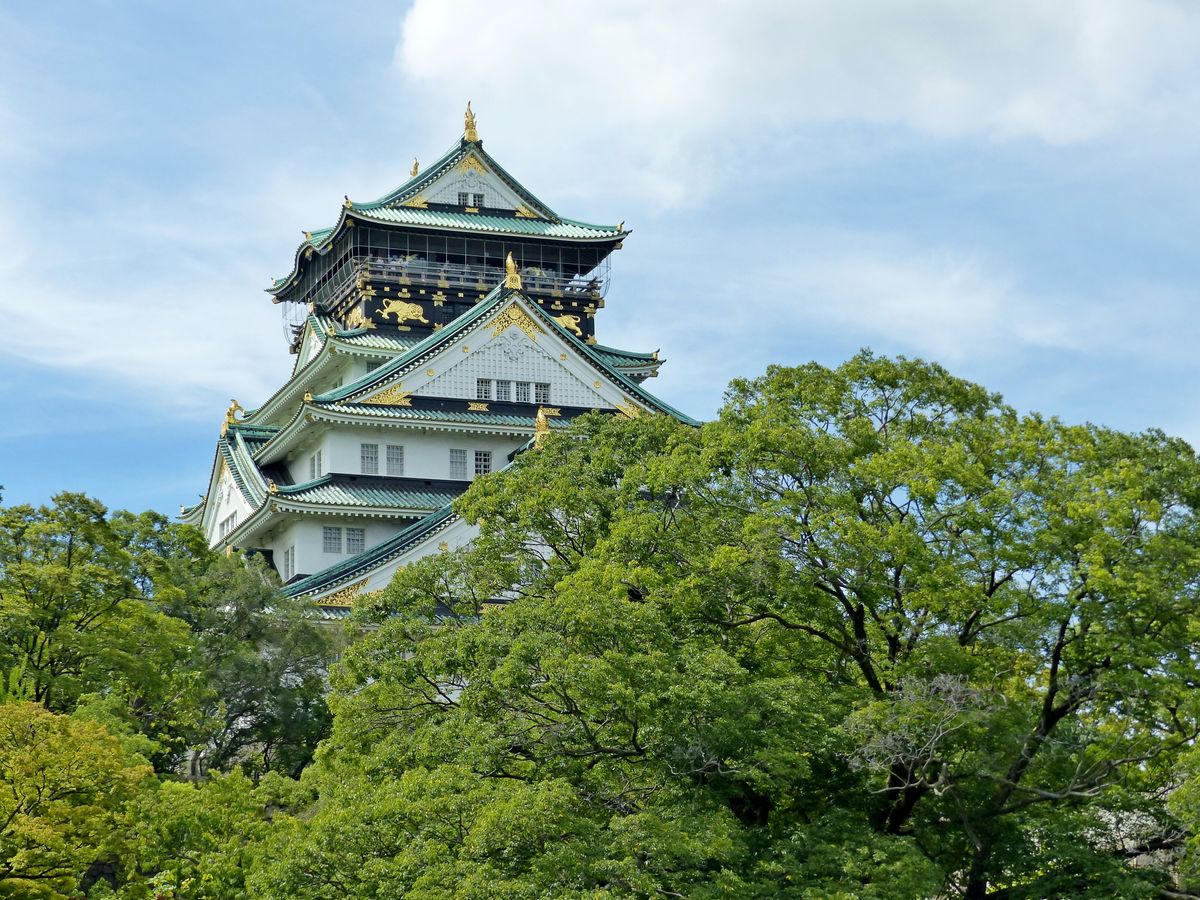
<point>1009,188</point>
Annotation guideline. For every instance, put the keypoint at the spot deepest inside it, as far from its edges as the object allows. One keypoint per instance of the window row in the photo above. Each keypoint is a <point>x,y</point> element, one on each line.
<point>331,539</point>
<point>512,391</point>
<point>227,525</point>
<point>468,199</point>
<point>393,459</point>
<point>458,463</point>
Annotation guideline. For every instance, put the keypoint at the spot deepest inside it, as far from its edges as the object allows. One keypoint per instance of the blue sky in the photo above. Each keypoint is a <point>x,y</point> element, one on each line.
<point>1009,189</point>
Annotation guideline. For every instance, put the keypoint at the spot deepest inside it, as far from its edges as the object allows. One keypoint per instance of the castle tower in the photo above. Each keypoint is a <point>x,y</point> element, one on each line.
<point>437,331</point>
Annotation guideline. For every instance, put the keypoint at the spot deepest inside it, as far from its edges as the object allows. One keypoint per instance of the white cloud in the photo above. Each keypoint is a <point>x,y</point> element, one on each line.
<point>664,92</point>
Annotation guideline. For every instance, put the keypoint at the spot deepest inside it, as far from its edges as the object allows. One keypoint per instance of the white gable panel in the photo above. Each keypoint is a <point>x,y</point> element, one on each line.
<point>311,345</point>
<point>511,356</point>
<point>472,179</point>
<point>224,501</point>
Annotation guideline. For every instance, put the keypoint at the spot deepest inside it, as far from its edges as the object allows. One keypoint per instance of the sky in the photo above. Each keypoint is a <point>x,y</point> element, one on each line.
<point>1009,189</point>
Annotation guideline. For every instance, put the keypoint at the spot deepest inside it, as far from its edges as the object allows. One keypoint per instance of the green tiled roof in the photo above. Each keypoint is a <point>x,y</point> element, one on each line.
<point>463,221</point>
<point>368,493</point>
<point>435,415</point>
<point>355,566</point>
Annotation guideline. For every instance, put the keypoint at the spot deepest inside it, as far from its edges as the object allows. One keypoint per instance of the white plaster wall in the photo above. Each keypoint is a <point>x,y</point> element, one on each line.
<point>426,453</point>
<point>306,535</point>
<point>226,499</point>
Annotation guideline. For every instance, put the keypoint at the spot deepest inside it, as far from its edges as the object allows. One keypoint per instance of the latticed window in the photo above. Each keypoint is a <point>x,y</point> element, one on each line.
<point>483,462</point>
<point>458,464</point>
<point>395,459</point>
<point>356,540</point>
<point>541,393</point>
<point>331,539</point>
<point>483,389</point>
<point>478,198</point>
<point>314,466</point>
<point>289,562</point>
<point>370,459</point>
<point>504,390</point>
<point>522,391</point>
<point>464,199</point>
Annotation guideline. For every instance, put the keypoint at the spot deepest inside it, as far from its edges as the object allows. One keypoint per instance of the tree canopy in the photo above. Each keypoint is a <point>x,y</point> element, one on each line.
<point>869,633</point>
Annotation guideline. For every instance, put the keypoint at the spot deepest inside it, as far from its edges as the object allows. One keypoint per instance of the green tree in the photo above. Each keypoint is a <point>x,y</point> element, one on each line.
<point>870,633</point>
<point>75,617</point>
<point>65,788</point>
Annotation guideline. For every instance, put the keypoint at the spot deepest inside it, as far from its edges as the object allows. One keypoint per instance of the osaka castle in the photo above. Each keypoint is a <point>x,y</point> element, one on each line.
<point>438,332</point>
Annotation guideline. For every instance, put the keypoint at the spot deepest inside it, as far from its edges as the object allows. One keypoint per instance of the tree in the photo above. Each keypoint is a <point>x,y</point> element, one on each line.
<point>76,617</point>
<point>266,659</point>
<point>66,786</point>
<point>870,613</point>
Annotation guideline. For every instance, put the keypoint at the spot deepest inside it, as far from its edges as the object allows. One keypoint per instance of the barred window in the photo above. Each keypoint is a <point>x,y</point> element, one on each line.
<point>314,466</point>
<point>331,539</point>
<point>483,389</point>
<point>478,198</point>
<point>504,390</point>
<point>541,393</point>
<point>370,459</point>
<point>464,199</point>
<point>289,562</point>
<point>522,391</point>
<point>228,524</point>
<point>356,540</point>
<point>458,464</point>
<point>395,459</point>
<point>483,462</point>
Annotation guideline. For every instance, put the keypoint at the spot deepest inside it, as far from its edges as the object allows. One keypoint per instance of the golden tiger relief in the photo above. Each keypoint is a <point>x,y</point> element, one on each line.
<point>403,311</point>
<point>571,323</point>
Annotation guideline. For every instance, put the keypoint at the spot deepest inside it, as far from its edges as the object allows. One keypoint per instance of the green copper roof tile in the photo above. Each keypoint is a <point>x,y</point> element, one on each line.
<point>435,415</point>
<point>374,493</point>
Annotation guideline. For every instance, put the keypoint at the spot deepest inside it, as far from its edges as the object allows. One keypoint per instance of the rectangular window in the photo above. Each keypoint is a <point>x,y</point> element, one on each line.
<point>522,391</point>
<point>458,464</point>
<point>289,562</point>
<point>483,389</point>
<point>314,466</point>
<point>504,391</point>
<point>478,198</point>
<point>541,393</point>
<point>395,459</point>
<point>464,199</point>
<point>331,539</point>
<point>370,458</point>
<point>483,462</point>
<point>356,540</point>
<point>228,524</point>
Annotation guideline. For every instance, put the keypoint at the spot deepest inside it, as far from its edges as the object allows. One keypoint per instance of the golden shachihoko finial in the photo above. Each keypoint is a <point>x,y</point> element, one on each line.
<point>416,168</point>
<point>469,125</point>
<point>512,278</point>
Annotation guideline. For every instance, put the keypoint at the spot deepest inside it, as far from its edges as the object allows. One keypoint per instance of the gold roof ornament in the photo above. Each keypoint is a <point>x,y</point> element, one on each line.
<point>416,169</point>
<point>231,415</point>
<point>541,427</point>
<point>512,278</point>
<point>272,487</point>
<point>347,203</point>
<point>469,132</point>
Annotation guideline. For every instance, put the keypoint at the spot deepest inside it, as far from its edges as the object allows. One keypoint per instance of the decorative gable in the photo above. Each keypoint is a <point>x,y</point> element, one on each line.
<point>472,183</point>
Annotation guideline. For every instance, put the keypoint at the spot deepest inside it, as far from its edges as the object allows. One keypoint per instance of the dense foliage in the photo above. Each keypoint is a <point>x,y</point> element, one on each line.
<point>871,633</point>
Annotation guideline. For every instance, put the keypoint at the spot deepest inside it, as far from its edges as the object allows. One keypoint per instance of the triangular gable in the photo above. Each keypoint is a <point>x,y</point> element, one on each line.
<point>582,377</point>
<point>465,169</point>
